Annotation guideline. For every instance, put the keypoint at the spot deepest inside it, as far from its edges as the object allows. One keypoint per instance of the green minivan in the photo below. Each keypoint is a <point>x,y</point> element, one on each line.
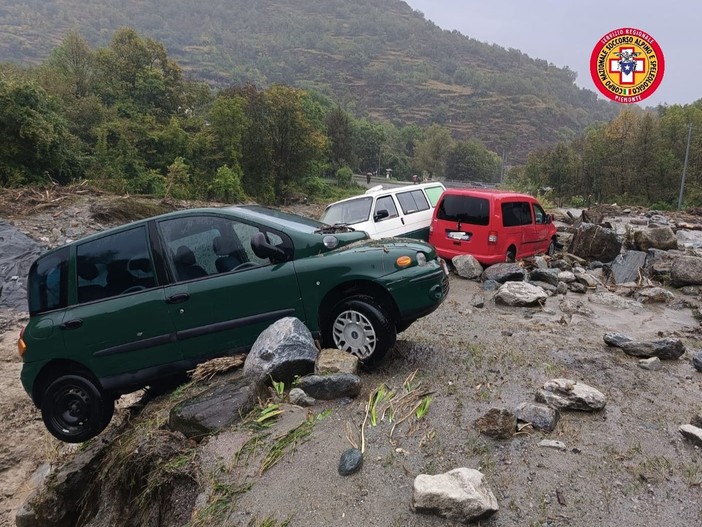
<point>135,305</point>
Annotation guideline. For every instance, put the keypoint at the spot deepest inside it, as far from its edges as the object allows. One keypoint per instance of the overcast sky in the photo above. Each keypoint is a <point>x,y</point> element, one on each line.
<point>565,32</point>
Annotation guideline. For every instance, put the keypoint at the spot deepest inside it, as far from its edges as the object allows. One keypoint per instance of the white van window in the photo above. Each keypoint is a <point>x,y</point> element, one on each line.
<point>516,213</point>
<point>434,193</point>
<point>386,203</point>
<point>348,212</point>
<point>412,201</point>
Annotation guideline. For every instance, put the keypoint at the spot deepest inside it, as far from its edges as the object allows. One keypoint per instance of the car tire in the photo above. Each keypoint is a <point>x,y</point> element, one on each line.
<point>511,255</point>
<point>362,327</point>
<point>74,409</point>
<point>551,248</point>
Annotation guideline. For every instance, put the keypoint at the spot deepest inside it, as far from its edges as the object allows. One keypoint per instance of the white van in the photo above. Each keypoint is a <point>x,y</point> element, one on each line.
<point>401,211</point>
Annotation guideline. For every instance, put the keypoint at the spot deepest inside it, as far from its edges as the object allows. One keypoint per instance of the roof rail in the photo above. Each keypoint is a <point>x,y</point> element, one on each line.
<point>374,189</point>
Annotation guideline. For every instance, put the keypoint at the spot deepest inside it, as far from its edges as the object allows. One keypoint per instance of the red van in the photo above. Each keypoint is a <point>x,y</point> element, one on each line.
<point>492,225</point>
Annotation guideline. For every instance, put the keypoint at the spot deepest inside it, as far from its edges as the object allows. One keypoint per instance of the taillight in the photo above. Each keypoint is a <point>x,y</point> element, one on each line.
<point>492,237</point>
<point>21,346</point>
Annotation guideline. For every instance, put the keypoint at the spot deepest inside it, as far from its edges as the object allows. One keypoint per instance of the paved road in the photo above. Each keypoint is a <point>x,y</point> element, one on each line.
<point>361,180</point>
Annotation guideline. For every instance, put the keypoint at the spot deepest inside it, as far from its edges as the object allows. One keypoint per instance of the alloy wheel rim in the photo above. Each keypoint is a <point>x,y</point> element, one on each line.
<point>354,333</point>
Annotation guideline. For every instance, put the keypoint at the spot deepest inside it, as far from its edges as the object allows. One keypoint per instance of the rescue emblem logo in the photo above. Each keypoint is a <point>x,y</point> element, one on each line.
<point>627,65</point>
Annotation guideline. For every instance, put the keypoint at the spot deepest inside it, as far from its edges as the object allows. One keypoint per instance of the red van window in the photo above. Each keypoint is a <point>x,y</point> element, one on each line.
<point>464,209</point>
<point>516,213</point>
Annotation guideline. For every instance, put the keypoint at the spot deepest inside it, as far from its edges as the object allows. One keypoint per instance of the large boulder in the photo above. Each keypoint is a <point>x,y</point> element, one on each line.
<point>467,266</point>
<point>503,272</point>
<point>593,242</point>
<point>285,350</point>
<point>520,294</point>
<point>655,237</point>
<point>218,407</point>
<point>686,270</point>
<point>627,266</point>
<point>458,495</point>
<point>668,348</point>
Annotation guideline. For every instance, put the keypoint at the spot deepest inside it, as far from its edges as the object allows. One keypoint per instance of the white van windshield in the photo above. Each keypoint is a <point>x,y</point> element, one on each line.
<point>348,212</point>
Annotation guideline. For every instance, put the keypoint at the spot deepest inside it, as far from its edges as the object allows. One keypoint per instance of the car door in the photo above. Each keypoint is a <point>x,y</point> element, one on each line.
<point>387,219</point>
<point>417,213</point>
<point>541,229</point>
<point>120,323</point>
<point>226,308</point>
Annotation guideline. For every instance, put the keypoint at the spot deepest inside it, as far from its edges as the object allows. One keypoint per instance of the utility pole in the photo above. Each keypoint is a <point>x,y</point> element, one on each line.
<point>687,153</point>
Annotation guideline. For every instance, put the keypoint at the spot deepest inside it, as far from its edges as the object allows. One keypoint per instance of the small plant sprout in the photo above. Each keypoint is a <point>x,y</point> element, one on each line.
<point>423,407</point>
<point>278,386</point>
<point>268,414</point>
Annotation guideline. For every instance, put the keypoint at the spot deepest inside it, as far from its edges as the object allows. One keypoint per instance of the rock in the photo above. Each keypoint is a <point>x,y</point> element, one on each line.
<point>540,262</point>
<point>467,266</point>
<point>497,423</point>
<point>627,267</point>
<point>616,339</point>
<point>351,462</point>
<point>549,443</point>
<point>299,397</point>
<point>577,287</point>
<point>504,272</point>
<point>665,349</point>
<point>686,270</point>
<point>566,394</point>
<point>587,280</point>
<point>593,242</point>
<point>216,408</point>
<point>458,495</point>
<point>610,299</point>
<point>697,360</point>
<point>691,290</point>
<point>541,416</point>
<point>331,386</point>
<point>336,361</point>
<point>566,276</point>
<point>550,276</point>
<point>53,503</point>
<point>490,285</point>
<point>652,364</point>
<point>283,351</point>
<point>552,289</point>
<point>652,295</point>
<point>692,433</point>
<point>520,294</point>
<point>654,237</point>
<point>562,288</point>
<point>573,307</point>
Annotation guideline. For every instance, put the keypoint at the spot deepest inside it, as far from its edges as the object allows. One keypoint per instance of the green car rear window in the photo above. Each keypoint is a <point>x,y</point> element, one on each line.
<point>47,283</point>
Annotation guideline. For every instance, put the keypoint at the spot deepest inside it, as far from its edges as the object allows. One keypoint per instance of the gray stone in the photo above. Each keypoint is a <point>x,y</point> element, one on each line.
<point>545,286</point>
<point>686,270</point>
<point>540,262</point>
<point>566,394</point>
<point>652,295</point>
<point>697,360</point>
<point>593,242</point>
<point>575,307</point>
<point>351,462</point>
<point>467,266</point>
<point>541,416</point>
<point>520,294</point>
<point>587,280</point>
<point>299,397</point>
<point>606,298</point>
<point>550,276</point>
<point>616,339</point>
<point>627,267</point>
<point>566,276</point>
<point>497,423</point>
<point>216,408</point>
<point>331,386</point>
<point>504,272</point>
<point>283,351</point>
<point>577,287</point>
<point>652,364</point>
<point>665,349</point>
<point>655,237</point>
<point>458,495</point>
<point>490,285</point>
<point>692,433</point>
<point>336,361</point>
<point>562,288</point>
<point>549,443</point>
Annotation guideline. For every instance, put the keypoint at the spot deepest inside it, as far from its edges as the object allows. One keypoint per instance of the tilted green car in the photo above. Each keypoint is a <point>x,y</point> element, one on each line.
<point>134,305</point>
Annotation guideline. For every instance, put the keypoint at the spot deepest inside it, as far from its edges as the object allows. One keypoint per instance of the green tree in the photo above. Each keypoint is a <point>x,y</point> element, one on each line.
<point>339,132</point>
<point>432,151</point>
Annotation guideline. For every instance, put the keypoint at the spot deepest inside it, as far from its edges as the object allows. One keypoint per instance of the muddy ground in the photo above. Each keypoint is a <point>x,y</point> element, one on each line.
<point>626,465</point>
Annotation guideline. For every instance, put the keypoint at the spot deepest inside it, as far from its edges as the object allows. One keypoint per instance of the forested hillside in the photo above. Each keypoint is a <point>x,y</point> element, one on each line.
<point>377,58</point>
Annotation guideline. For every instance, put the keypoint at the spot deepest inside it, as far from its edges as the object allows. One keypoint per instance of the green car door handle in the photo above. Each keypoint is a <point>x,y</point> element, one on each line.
<point>72,324</point>
<point>178,298</point>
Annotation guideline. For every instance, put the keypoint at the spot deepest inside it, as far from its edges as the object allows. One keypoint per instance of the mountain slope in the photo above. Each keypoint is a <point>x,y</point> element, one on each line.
<point>375,57</point>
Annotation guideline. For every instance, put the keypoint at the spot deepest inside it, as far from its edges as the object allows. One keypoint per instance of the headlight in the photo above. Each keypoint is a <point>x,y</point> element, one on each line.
<point>330,242</point>
<point>421,259</point>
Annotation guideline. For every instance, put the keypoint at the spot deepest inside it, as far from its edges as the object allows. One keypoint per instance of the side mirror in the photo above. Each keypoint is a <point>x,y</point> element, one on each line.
<point>548,219</point>
<point>263,249</point>
<point>381,215</point>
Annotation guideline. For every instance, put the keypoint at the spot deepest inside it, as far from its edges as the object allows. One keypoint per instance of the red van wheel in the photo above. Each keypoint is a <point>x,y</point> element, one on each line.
<point>511,255</point>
